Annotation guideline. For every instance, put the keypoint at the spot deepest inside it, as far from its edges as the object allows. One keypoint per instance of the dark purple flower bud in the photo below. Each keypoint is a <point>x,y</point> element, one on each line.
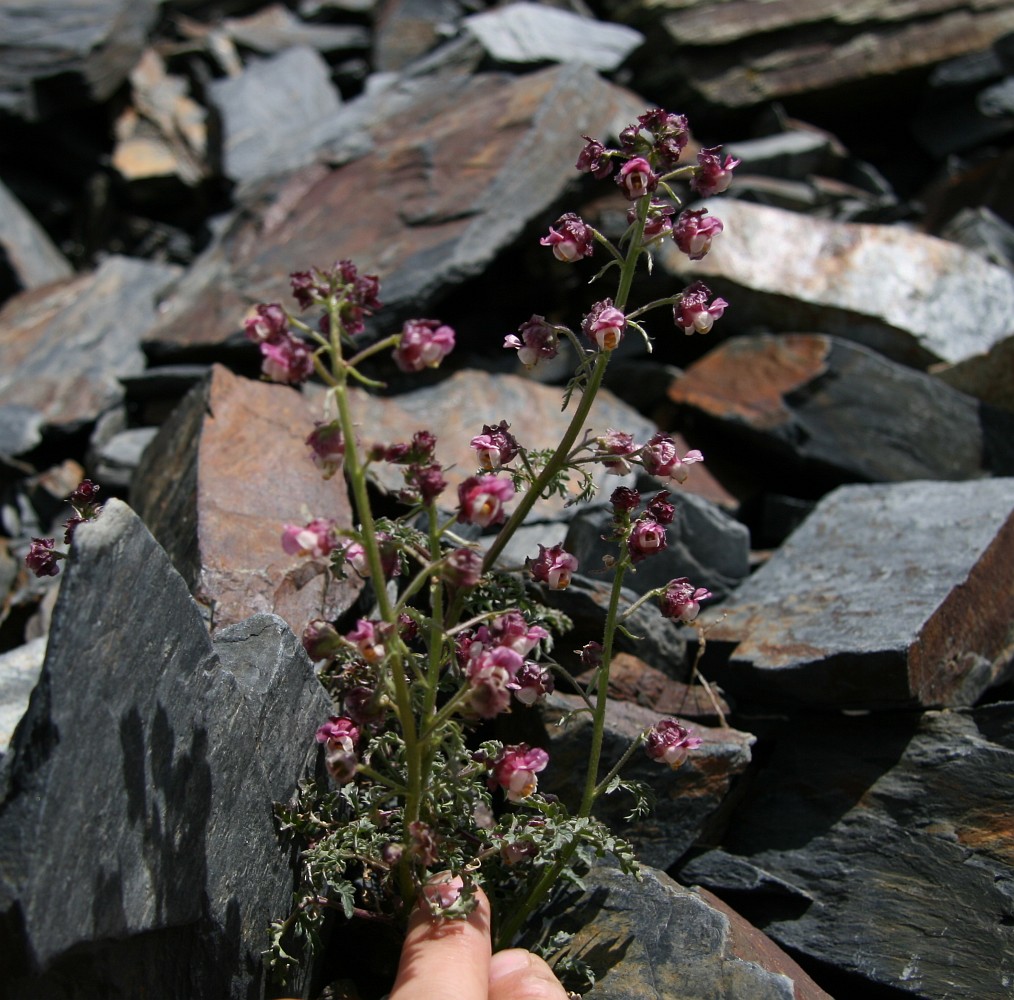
<point>591,655</point>
<point>361,706</point>
<point>623,498</point>
<point>321,639</point>
<point>636,178</point>
<point>495,446</point>
<point>327,447</point>
<point>711,177</point>
<point>70,526</point>
<point>532,683</point>
<point>668,136</point>
<point>463,568</point>
<point>571,238</point>
<point>84,496</point>
<point>427,480</point>
<point>268,325</point>
<point>424,343</point>
<point>408,628</point>
<point>682,600</point>
<point>693,233</point>
<point>390,557</point>
<point>604,325</point>
<point>594,159</point>
<point>553,567</point>
<point>424,444</point>
<point>667,742</point>
<point>647,538</point>
<point>41,558</point>
<point>693,313</point>
<point>538,341</point>
<point>660,508</point>
<point>286,360</point>
<point>307,288</point>
<point>658,221</point>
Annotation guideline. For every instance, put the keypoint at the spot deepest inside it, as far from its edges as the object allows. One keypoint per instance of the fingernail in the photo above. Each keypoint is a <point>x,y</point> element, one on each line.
<point>503,963</point>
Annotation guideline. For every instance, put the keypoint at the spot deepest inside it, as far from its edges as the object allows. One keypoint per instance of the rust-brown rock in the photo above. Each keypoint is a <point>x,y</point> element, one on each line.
<point>738,53</point>
<point>215,487</point>
<point>451,181</point>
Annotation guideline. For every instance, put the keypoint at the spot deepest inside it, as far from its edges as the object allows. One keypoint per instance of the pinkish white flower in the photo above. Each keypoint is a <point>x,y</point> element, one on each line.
<point>647,538</point>
<point>712,177</point>
<point>424,343</point>
<point>327,447</point>
<point>489,675</point>
<point>481,500</point>
<point>286,360</point>
<point>604,325</point>
<point>553,567</point>
<point>571,239</point>
<point>637,178</point>
<point>317,539</point>
<point>682,601</point>
<point>669,743</point>
<point>516,770</point>
<point>693,313</point>
<point>367,637</point>
<point>612,447</point>
<point>339,736</point>
<point>538,342</point>
<point>693,233</point>
<point>495,446</point>
<point>659,457</point>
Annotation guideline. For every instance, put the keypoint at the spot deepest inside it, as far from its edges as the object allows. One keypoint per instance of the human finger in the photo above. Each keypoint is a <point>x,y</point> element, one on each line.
<point>517,974</point>
<point>445,959</point>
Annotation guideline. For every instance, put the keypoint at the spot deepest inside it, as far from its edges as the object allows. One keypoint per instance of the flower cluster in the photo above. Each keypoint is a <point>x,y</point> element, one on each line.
<point>43,558</point>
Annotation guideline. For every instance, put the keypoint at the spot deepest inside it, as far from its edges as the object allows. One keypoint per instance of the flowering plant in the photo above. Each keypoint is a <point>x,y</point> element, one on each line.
<point>453,640</point>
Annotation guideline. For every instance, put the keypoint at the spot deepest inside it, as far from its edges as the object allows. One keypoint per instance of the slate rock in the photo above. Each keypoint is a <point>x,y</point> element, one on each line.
<point>276,114</point>
<point>406,30</point>
<point>461,165</point>
<point>880,847</point>
<point>685,798</point>
<point>739,54</point>
<point>25,248</point>
<point>988,377</point>
<point>532,33</point>
<point>818,411</point>
<point>218,484</point>
<point>915,298</point>
<point>274,28</point>
<point>789,155</point>
<point>704,543</point>
<point>982,230</point>
<point>885,596</point>
<point>59,56</point>
<point>19,673</point>
<point>171,868</point>
<point>63,346</point>
<point>117,459</point>
<point>656,940</point>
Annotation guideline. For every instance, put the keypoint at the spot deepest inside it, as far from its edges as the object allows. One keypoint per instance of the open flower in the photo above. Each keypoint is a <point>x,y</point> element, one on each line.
<point>693,314</point>
<point>318,538</point>
<point>571,238</point>
<point>424,343</point>
<point>712,177</point>
<point>327,447</point>
<point>693,233</point>
<point>495,446</point>
<point>538,342</point>
<point>490,674</point>
<point>659,457</point>
<point>482,499</point>
<point>286,360</point>
<point>636,178</point>
<point>516,768</point>
<point>682,601</point>
<point>669,743</point>
<point>647,538</point>
<point>532,683</point>
<point>604,325</point>
<point>339,736</point>
<point>612,447</point>
<point>553,567</point>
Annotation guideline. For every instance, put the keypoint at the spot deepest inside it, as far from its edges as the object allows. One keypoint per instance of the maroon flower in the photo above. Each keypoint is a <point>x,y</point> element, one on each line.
<point>693,232</point>
<point>463,568</point>
<point>693,313</point>
<point>636,178</point>
<point>511,629</point>
<point>604,325</point>
<point>623,498</point>
<point>668,742</point>
<point>594,159</point>
<point>286,360</point>
<point>532,683</point>
<point>552,567</point>
<point>482,499</point>
<point>321,639</point>
<point>327,447</point>
<point>424,343</point>
<point>496,446</point>
<point>682,601</point>
<point>658,222</point>
<point>660,508</point>
<point>427,480</point>
<point>659,457</point>
<point>571,238</point>
<point>516,768</point>
<point>613,445</point>
<point>538,341</point>
<point>647,538</point>
<point>711,176</point>
<point>41,558</point>
<point>489,674</point>
<point>268,325</point>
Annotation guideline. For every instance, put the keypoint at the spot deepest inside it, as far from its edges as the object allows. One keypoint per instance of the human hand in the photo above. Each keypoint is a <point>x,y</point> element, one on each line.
<point>451,960</point>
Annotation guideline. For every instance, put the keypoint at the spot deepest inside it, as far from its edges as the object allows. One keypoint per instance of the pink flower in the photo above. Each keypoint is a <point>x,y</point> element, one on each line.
<point>659,457</point>
<point>286,360</point>
<point>463,568</point>
<point>668,742</point>
<point>693,313</point>
<point>538,341</point>
<point>367,637</point>
<point>316,539</point>
<point>693,232</point>
<point>516,768</point>
<point>327,447</point>
<point>532,683</point>
<point>711,176</point>
<point>496,446</point>
<point>424,343</point>
<point>681,601</point>
<point>489,676</point>
<point>482,499</point>
<point>571,240</point>
<point>355,556</point>
<point>552,567</point>
<point>339,736</point>
<point>268,325</point>
<point>390,562</point>
<point>511,629</point>
<point>41,558</point>
<point>613,445</point>
<point>647,538</point>
<point>604,325</point>
<point>637,178</point>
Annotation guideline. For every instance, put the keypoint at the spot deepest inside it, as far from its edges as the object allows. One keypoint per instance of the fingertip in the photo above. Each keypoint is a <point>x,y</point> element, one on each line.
<point>516,974</point>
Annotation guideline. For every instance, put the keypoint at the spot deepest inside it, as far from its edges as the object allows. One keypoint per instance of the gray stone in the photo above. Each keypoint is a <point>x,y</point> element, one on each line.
<point>274,28</point>
<point>885,596</point>
<point>685,798</point>
<point>982,230</point>
<point>405,31</point>
<point>988,377</point>
<point>791,155</point>
<point>171,868</point>
<point>276,115</point>
<point>60,55</point>
<point>62,347</point>
<point>881,847</point>
<point>29,252</point>
<point>533,33</point>
<point>705,544</point>
<point>915,298</point>
<point>655,940</point>
<point>117,459</point>
<point>19,673</point>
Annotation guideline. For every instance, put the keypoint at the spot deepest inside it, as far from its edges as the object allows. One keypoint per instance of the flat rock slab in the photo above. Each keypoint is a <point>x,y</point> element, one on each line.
<point>886,595</point>
<point>456,174</point>
<point>914,298</point>
<point>882,847</point>
<point>64,346</point>
<point>217,485</point>
<point>656,940</point>
<point>171,868</point>
<point>532,33</point>
<point>685,798</point>
<point>26,248</point>
<point>821,411</point>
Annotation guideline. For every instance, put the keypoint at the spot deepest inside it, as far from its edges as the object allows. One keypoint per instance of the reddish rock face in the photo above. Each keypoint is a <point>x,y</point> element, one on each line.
<point>222,478</point>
